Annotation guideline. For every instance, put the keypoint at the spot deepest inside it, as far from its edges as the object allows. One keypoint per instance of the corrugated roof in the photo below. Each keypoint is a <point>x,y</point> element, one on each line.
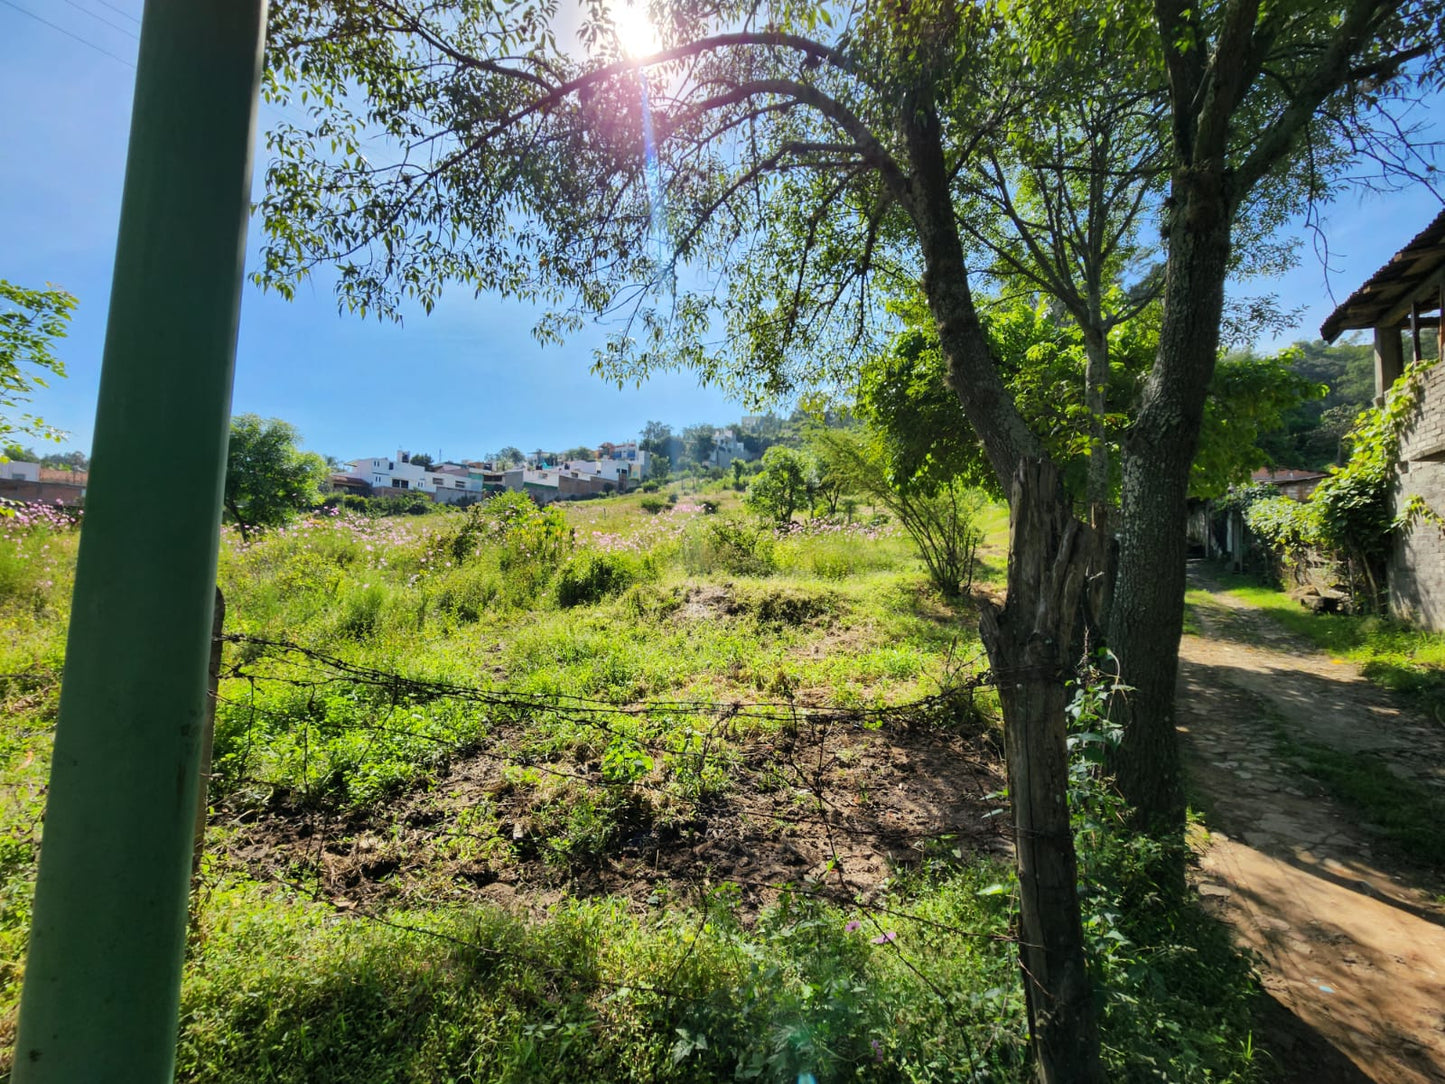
<point>1392,285</point>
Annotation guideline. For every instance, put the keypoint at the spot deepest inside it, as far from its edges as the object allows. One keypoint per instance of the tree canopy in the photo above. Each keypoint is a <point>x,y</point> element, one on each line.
<point>30,322</point>
<point>744,201</point>
<point>268,479</point>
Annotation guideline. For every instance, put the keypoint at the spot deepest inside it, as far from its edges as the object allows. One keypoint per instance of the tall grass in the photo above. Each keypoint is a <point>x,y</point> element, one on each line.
<point>611,604</point>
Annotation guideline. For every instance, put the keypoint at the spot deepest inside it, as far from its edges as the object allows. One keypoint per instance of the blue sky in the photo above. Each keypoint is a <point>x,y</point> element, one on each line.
<point>465,381</point>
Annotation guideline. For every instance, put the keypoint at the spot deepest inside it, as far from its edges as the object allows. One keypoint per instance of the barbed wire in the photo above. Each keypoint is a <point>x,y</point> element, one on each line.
<point>799,747</point>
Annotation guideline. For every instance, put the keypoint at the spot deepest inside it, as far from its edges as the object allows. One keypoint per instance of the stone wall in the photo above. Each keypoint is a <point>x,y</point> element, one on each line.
<point>1417,567</point>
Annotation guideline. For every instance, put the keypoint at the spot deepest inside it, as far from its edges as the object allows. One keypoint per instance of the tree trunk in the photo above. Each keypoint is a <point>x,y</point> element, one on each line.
<point>1147,614</point>
<point>1050,553</point>
<point>208,730</point>
<point>1096,385</point>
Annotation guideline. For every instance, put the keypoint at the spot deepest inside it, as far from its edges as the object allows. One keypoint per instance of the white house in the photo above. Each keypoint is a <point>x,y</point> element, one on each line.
<point>448,483</point>
<point>727,446</point>
<point>17,471</point>
<point>637,459</point>
<point>624,472</point>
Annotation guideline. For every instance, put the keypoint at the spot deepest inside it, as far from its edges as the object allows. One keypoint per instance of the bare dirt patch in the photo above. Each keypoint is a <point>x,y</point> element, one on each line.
<point>1349,930</point>
<point>839,808</point>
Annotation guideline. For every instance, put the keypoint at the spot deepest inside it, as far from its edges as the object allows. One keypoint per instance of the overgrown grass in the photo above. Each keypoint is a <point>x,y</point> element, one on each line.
<point>1397,810</point>
<point>283,992</point>
<point>1390,654</point>
<point>617,605</point>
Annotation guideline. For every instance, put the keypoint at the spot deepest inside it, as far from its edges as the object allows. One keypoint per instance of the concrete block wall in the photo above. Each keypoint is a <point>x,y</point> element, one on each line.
<point>1417,567</point>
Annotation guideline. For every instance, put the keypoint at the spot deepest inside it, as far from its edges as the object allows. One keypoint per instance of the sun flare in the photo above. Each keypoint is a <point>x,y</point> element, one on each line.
<point>636,34</point>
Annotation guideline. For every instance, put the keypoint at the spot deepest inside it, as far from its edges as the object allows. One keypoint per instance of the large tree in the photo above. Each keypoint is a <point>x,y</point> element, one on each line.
<point>764,175</point>
<point>30,322</point>
<point>268,479</point>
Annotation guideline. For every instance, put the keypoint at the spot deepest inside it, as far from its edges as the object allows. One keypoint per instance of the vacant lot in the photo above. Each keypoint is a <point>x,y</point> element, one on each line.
<point>606,794</point>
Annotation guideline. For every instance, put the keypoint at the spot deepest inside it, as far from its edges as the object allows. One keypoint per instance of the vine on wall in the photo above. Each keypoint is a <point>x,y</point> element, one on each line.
<point>1350,515</point>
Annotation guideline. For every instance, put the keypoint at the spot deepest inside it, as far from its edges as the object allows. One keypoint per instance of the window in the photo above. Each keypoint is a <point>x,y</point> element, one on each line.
<point>459,484</point>
<point>401,483</point>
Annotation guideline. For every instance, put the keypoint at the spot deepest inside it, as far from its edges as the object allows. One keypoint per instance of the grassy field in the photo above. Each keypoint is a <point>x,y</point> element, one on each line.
<point>608,794</point>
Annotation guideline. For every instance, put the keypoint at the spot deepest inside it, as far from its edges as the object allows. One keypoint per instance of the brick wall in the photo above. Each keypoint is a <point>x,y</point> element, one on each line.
<point>15,489</point>
<point>1417,567</point>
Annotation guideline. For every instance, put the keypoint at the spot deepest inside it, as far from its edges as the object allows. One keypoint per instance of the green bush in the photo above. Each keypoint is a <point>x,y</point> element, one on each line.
<point>653,505</point>
<point>590,577</point>
<point>725,544</point>
<point>415,504</point>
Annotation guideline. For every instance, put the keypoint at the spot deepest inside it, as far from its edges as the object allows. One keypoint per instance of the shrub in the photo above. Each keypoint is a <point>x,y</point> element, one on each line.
<point>725,544</point>
<point>590,577</point>
<point>653,505</point>
<point>415,504</point>
<point>784,485</point>
<point>939,515</point>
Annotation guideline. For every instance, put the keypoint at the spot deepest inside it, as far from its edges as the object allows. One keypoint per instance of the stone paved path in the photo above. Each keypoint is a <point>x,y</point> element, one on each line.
<point>1351,942</point>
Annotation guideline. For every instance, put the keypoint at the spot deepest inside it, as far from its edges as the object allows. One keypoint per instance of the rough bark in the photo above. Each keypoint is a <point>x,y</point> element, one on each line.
<point>1147,613</point>
<point>208,729</point>
<point>1096,384</point>
<point>1028,642</point>
<point>973,371</point>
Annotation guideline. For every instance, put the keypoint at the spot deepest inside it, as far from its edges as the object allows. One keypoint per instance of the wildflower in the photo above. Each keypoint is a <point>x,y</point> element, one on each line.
<point>852,926</point>
<point>885,938</point>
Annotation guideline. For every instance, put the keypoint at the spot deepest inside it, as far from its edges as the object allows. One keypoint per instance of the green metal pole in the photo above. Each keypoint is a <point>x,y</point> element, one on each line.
<point>102,982</point>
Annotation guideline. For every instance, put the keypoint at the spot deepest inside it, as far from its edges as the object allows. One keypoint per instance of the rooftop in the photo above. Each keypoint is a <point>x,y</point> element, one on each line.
<point>1384,300</point>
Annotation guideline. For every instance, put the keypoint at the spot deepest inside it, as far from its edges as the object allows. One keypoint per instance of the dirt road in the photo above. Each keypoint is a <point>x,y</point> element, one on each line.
<point>1350,933</point>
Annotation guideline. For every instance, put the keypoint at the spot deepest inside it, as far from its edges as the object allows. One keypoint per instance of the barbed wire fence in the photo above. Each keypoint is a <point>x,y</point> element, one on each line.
<point>799,752</point>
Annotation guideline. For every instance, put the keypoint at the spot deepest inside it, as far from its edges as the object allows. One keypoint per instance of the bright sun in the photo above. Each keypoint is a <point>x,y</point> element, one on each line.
<point>635,33</point>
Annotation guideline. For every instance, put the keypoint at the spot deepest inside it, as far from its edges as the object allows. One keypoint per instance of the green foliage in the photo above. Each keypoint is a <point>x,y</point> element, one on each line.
<point>279,987</point>
<point>1157,960</point>
<point>590,577</point>
<point>1350,515</point>
<point>268,479</point>
<point>400,504</point>
<point>1249,397</point>
<point>939,513</point>
<point>927,438</point>
<point>283,993</point>
<point>652,505</point>
<point>726,544</point>
<point>783,486</point>
<point>699,440</point>
<point>1291,528</point>
<point>30,321</point>
<point>1311,433</point>
<point>527,539</point>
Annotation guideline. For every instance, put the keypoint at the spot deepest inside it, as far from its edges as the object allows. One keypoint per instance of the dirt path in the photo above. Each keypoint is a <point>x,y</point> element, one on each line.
<point>1351,938</point>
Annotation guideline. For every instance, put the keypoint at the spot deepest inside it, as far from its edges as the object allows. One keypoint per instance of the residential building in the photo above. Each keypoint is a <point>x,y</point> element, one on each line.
<point>390,475</point>
<point>621,472</point>
<point>1403,304</point>
<point>1297,485</point>
<point>627,451</point>
<point>727,446</point>
<point>34,484</point>
<point>14,470</point>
